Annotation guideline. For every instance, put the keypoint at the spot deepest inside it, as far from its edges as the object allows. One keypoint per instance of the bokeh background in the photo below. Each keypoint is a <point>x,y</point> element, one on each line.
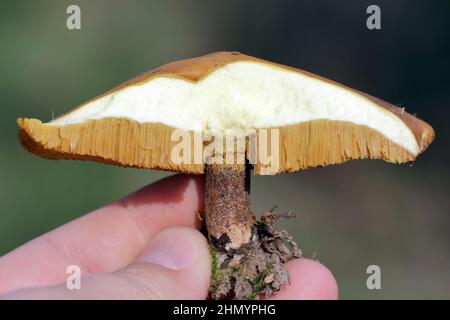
<point>349,216</point>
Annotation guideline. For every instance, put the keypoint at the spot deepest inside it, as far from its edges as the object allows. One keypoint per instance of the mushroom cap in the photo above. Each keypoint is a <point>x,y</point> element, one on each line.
<point>318,121</point>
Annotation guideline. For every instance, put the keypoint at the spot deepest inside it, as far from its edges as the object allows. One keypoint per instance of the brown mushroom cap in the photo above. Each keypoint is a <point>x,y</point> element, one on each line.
<point>132,124</point>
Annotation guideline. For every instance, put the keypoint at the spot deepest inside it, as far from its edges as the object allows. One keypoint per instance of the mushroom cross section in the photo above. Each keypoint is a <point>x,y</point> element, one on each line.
<point>276,119</point>
<point>320,122</point>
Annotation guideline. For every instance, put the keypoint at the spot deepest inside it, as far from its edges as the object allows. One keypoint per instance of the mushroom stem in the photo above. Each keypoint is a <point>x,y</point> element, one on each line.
<point>229,220</point>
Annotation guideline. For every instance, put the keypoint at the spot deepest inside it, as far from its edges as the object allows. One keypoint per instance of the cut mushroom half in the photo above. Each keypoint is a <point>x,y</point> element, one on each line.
<point>223,114</point>
<point>320,122</point>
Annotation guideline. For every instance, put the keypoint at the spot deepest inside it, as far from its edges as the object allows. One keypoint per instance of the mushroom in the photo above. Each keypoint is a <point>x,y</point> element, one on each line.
<point>178,117</point>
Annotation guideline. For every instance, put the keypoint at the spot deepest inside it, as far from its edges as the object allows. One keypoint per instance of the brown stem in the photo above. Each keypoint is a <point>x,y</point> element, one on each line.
<point>229,220</point>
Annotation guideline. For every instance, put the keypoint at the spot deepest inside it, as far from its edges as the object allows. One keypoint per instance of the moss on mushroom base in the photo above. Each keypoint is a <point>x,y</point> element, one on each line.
<point>255,268</point>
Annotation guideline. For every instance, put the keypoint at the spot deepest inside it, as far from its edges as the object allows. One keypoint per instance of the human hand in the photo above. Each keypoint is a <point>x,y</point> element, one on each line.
<point>145,246</point>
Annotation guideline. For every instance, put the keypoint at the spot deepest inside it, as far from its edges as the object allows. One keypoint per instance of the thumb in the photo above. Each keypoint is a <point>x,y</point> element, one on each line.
<point>175,265</point>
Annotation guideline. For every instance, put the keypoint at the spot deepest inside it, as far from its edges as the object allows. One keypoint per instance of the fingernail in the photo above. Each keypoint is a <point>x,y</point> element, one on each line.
<point>174,248</point>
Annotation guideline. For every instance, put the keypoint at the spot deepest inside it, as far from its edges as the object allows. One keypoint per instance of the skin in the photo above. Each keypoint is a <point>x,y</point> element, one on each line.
<point>145,246</point>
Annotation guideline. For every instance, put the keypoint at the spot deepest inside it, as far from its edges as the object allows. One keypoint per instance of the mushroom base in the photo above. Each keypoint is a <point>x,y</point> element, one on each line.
<point>256,268</point>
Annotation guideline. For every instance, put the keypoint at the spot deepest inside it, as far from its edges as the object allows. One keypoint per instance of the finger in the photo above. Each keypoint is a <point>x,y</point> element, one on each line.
<point>309,280</point>
<point>176,265</point>
<point>107,239</point>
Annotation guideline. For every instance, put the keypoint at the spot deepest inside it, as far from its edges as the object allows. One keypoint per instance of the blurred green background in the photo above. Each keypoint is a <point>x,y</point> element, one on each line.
<point>350,216</point>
